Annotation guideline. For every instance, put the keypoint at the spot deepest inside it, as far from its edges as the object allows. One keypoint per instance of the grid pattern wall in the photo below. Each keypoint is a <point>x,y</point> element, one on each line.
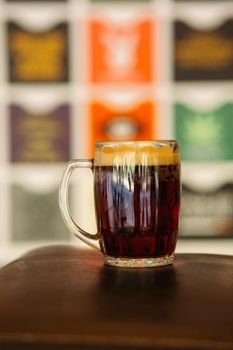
<point>76,71</point>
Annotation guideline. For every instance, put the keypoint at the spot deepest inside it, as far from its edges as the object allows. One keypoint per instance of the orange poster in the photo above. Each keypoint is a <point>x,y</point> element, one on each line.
<point>121,52</point>
<point>108,122</point>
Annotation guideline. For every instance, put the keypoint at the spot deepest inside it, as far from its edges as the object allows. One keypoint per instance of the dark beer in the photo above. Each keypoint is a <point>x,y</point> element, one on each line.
<point>137,209</point>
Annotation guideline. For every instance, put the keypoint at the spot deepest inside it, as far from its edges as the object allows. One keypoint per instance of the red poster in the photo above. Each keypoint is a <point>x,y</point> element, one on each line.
<point>121,52</point>
<point>108,122</point>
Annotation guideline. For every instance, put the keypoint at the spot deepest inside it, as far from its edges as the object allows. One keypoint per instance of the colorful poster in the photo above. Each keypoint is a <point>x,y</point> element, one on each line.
<point>203,54</point>
<point>205,136</point>
<point>36,215</point>
<point>38,57</point>
<point>207,214</point>
<point>111,122</point>
<point>39,137</point>
<point>120,51</point>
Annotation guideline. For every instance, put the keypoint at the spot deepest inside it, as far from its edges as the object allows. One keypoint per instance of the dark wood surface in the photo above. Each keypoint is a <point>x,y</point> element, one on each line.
<point>61,297</point>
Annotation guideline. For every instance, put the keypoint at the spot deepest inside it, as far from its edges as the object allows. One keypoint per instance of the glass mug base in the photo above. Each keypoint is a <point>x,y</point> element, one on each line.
<point>139,262</point>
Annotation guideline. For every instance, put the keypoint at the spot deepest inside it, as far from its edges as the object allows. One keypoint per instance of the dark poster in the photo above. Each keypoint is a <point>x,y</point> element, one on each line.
<point>48,1</point>
<point>37,1</point>
<point>38,57</point>
<point>203,54</point>
<point>201,0</point>
<point>207,213</point>
<point>39,137</point>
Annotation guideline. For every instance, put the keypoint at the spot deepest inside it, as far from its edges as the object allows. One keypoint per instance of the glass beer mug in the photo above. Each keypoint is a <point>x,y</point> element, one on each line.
<point>137,201</point>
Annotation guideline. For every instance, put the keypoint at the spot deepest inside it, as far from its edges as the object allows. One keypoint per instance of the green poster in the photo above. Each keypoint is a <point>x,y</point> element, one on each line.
<point>205,136</point>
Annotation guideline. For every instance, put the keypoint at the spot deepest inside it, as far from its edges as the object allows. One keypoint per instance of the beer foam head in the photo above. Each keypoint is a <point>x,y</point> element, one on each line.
<point>132,153</point>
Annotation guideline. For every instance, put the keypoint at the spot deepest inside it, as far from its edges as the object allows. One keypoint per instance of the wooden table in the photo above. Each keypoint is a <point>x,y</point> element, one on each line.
<point>61,297</point>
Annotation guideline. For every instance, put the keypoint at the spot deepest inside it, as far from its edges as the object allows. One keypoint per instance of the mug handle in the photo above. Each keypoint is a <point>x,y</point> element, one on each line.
<point>86,237</point>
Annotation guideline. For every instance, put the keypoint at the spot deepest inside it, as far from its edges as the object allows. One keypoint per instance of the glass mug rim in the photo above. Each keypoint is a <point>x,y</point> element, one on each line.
<point>162,155</point>
<point>138,152</point>
<point>138,142</point>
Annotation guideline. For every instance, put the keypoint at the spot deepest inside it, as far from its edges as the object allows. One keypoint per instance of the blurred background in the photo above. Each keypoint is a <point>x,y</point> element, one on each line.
<point>76,71</point>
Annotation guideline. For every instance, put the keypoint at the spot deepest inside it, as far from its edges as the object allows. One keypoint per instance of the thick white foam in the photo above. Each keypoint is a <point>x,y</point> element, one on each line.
<point>135,155</point>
